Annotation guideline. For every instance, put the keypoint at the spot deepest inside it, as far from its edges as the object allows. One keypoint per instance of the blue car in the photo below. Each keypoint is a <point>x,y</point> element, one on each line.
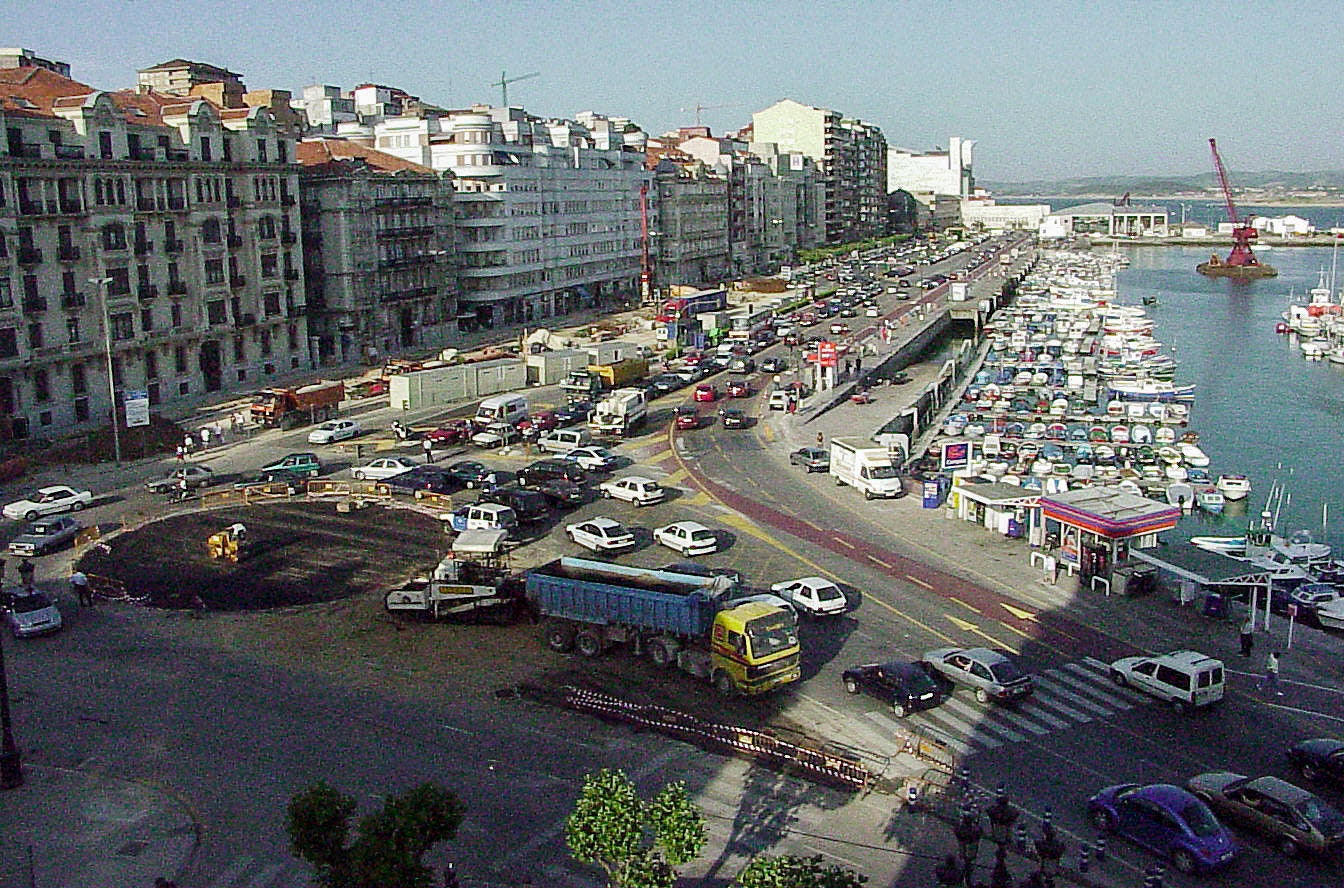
<point>1167,820</point>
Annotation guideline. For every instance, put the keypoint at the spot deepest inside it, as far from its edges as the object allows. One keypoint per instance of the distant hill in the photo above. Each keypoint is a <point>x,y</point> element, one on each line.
<point>1268,180</point>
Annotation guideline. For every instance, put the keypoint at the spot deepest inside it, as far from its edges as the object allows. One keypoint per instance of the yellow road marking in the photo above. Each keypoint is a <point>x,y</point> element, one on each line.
<point>699,499</point>
<point>877,560</point>
<point>1014,629</point>
<point>676,475</point>
<point>918,582</point>
<point>967,626</point>
<point>768,434</point>
<point>963,625</point>
<point>1018,612</point>
<point>846,543</point>
<point>970,607</point>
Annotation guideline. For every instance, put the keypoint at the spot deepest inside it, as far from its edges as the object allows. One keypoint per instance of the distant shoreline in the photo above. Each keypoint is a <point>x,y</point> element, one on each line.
<point>1329,202</point>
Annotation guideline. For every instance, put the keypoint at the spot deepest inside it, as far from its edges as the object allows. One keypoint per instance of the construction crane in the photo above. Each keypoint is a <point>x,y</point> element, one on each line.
<point>698,108</point>
<point>504,81</point>
<point>1241,262</point>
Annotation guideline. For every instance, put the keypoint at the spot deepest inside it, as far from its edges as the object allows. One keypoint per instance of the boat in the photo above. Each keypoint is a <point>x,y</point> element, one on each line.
<point>1134,388</point>
<point>1119,434</point>
<point>1210,500</point>
<point>1198,475</point>
<point>1233,487</point>
<point>1192,455</point>
<point>1181,495</point>
<point>1140,434</point>
<point>1176,472</point>
<point>1164,435</point>
<point>1169,454</point>
<point>1149,300</point>
<point>1129,486</point>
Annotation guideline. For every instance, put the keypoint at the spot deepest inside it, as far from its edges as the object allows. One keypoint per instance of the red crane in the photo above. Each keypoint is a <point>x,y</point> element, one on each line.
<point>1241,262</point>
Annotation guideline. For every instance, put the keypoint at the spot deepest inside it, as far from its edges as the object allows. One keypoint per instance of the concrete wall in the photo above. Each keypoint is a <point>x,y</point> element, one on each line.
<point>443,386</point>
<point>551,367</point>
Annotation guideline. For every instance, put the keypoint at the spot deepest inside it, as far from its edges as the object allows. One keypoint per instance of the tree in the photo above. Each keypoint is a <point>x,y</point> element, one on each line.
<point>388,844</point>
<point>638,844</point>
<point>796,872</point>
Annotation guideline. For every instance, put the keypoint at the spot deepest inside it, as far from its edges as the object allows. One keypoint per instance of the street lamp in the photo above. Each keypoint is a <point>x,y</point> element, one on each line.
<point>102,283</point>
<point>958,870</point>
<point>11,760</point>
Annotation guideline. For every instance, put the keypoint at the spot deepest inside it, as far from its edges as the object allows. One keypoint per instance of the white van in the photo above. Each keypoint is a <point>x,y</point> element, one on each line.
<point>1185,679</point>
<point>866,467</point>
<point>564,440</point>
<point>511,409</point>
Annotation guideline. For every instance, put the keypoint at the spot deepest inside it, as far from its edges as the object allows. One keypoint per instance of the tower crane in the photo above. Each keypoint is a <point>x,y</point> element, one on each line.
<point>698,108</point>
<point>504,81</point>
<point>1241,262</point>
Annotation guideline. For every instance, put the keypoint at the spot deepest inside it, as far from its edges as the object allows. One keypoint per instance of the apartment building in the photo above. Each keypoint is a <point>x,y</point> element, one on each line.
<point>850,155</point>
<point>378,252</point>
<point>547,211</point>
<point>691,246</point>
<point>160,228</point>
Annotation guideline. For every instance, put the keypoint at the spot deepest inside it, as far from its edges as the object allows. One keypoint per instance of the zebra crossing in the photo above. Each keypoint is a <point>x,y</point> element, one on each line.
<point>1066,696</point>
<point>246,871</point>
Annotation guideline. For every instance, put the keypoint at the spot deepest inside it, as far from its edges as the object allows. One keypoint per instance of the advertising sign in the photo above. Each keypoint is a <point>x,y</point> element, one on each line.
<point>137,409</point>
<point>956,455</point>
<point>826,354</point>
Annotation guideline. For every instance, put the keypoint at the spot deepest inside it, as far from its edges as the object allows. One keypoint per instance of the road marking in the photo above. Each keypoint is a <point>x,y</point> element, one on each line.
<point>1037,712</point>
<point>844,542</point>
<point>1077,699</point>
<point>984,722</point>
<point>1013,629</point>
<point>1018,612</point>
<point>1010,714</point>
<point>918,582</point>
<point>969,730</point>
<point>888,722</point>
<point>1106,694</point>
<point>876,560</point>
<point>970,607</point>
<point>963,625</point>
<point>1052,703</point>
<point>675,476</point>
<point>767,433</point>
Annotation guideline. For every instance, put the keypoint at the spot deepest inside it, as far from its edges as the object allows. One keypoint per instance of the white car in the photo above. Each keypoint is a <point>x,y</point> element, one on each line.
<point>497,434</point>
<point>591,459</point>
<point>48,501</point>
<point>34,614</point>
<point>383,467</point>
<point>813,595</point>
<point>600,534</point>
<point>633,489</point>
<point>335,430</point>
<point>1331,615</point>
<point>688,538</point>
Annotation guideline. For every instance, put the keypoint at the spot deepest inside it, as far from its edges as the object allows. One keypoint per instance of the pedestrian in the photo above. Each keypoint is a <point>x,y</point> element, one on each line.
<point>188,442</point>
<point>450,877</point>
<point>181,453</point>
<point>858,365</point>
<point>1272,673</point>
<point>848,365</point>
<point>183,488</point>
<point>793,405</point>
<point>1247,636</point>
<point>26,575</point>
<point>3,565</point>
<point>205,438</point>
<point>79,585</point>
<point>429,450</point>
<point>820,439</point>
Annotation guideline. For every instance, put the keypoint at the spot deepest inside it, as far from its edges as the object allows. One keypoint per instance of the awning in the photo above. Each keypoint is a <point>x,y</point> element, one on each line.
<point>1109,513</point>
<point>1203,567</point>
<point>998,494</point>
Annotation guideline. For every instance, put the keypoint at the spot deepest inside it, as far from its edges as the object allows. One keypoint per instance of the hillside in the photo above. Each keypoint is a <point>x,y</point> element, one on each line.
<point>1328,182</point>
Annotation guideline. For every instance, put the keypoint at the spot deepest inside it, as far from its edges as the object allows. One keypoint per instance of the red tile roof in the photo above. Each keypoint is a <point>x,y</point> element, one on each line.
<point>332,155</point>
<point>35,90</point>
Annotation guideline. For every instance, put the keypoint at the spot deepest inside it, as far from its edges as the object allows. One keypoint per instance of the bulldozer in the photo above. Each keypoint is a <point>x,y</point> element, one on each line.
<point>227,544</point>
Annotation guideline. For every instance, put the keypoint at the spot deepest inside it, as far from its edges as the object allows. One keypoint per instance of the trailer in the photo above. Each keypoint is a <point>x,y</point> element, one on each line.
<point>287,408</point>
<point>677,619</point>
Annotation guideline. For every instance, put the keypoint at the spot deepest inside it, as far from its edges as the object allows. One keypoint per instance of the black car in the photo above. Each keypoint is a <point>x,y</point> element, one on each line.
<point>573,411</point>
<point>561,494</point>
<point>469,473</point>
<point>774,365</point>
<point>552,470</point>
<point>664,383</point>
<point>427,479</point>
<point>906,686</point>
<point>1320,759</point>
<point>691,568</point>
<point>733,418</point>
<point>530,506</point>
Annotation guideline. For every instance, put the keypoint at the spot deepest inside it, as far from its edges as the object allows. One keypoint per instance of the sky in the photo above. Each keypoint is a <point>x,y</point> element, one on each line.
<point>1049,90</point>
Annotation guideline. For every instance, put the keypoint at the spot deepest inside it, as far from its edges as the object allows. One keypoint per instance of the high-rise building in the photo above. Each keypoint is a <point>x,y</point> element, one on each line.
<point>171,216</point>
<point>378,251</point>
<point>850,155</point>
<point>691,245</point>
<point>927,175</point>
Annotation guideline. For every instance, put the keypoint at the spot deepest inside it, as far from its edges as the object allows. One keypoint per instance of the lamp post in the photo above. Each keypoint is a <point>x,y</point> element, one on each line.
<point>11,760</point>
<point>959,869</point>
<point>102,283</point>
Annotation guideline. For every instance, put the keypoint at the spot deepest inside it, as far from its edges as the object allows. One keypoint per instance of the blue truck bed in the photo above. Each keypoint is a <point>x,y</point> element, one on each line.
<point>601,593</point>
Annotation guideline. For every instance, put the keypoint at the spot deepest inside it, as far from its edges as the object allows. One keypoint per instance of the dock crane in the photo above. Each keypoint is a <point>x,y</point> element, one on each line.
<point>1241,262</point>
<point>504,81</point>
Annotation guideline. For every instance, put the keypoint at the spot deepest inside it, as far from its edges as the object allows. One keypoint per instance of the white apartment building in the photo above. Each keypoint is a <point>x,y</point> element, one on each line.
<point>172,217</point>
<point>548,211</point>
<point>927,173</point>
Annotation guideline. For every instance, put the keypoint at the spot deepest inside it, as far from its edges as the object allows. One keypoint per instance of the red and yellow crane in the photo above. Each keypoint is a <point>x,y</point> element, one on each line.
<point>1241,262</point>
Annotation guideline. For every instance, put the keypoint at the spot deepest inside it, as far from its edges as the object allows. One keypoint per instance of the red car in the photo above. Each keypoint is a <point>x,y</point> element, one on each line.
<point>687,418</point>
<point>706,392</point>
<point>542,421</point>
<point>454,431</point>
<point>739,389</point>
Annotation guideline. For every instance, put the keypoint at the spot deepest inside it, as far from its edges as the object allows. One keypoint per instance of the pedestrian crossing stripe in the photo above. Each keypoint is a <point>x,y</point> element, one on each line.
<point>1044,700</point>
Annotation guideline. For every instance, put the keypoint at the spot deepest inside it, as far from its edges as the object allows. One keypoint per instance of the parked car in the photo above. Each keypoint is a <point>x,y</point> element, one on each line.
<point>600,535</point>
<point>383,467</point>
<point>496,434</point>
<point>992,675</point>
<point>45,535</point>
<point>421,480</point>
<point>591,459</point>
<point>1185,679</point>
<point>482,516</point>
<point>530,506</point>
<point>1290,817</point>
<point>197,477</point>
<point>335,430</point>
<point>814,459</point>
<point>1319,759</point>
<point>454,431</point>
<point>292,467</point>
<point>813,595</point>
<point>48,501</point>
<point>774,365</point>
<point>706,393</point>
<point>573,412</point>
<point>559,493</point>
<point>633,489</point>
<point>687,537</point>
<point>470,473</point>
<point>903,685</point>
<point>32,614</point>
<point>686,418</point>
<point>548,469</point>
<point>1167,820</point>
<point>540,420</point>
<point>734,418</point>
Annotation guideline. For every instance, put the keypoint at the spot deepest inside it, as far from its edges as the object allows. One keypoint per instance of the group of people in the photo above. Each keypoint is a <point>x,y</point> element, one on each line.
<point>1271,663</point>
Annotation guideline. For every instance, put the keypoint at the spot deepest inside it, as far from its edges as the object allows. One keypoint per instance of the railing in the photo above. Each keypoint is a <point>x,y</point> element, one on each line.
<point>32,304</point>
<point>172,246</point>
<point>147,291</point>
<point>142,247</point>
<point>237,280</point>
<point>72,300</point>
<point>177,288</point>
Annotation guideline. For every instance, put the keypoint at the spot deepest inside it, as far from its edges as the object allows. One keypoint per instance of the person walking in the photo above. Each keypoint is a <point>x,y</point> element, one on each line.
<point>429,450</point>
<point>821,439</point>
<point>205,438</point>
<point>1272,673</point>
<point>1247,636</point>
<point>188,442</point>
<point>181,453</point>
<point>26,569</point>
<point>79,585</point>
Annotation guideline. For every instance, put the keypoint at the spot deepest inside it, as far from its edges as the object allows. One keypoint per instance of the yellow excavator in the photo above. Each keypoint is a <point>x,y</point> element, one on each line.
<point>227,544</point>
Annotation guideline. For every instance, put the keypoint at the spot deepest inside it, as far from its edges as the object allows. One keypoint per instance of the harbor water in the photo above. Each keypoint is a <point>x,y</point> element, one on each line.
<point>1261,409</point>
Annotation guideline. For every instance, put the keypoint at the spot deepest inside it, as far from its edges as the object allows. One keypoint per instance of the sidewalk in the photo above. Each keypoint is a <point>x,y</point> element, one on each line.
<point>69,828</point>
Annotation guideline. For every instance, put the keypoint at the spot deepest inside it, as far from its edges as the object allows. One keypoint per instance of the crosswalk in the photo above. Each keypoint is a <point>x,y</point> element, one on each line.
<point>1066,696</point>
<point>246,871</point>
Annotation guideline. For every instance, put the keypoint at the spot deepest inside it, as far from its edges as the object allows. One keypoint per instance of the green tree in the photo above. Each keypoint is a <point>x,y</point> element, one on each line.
<point>637,843</point>
<point>796,872</point>
<point>388,844</point>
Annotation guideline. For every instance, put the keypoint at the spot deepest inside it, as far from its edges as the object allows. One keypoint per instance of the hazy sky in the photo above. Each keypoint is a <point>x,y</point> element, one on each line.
<point>1049,89</point>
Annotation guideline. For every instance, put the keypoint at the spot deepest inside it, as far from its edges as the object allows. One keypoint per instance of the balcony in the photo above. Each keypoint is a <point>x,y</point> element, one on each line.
<point>177,288</point>
<point>288,238</point>
<point>172,246</point>
<point>142,247</point>
<point>147,291</point>
<point>296,311</point>
<point>143,152</point>
<point>72,300</point>
<point>146,205</point>
<point>68,253</point>
<point>34,304</point>
<point>392,203</point>
<point>235,241</point>
<point>33,152</point>
<point>291,274</point>
<point>237,280</point>
<point>29,255</point>
<point>246,320</point>
<point>68,152</point>
<point>176,203</point>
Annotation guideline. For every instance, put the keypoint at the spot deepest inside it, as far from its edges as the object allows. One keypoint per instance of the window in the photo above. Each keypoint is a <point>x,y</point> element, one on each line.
<point>81,409</point>
<point>151,365</point>
<point>206,153</point>
<point>72,330</point>
<point>114,236</point>
<point>261,150</point>
<point>6,294</point>
<point>105,145</point>
<point>175,315</point>
<point>271,303</point>
<point>123,326</point>
<point>238,350</point>
<point>79,383</point>
<point>147,319</point>
<point>9,342</point>
<point>214,271</point>
<point>211,232</point>
<point>215,312</point>
<point>270,265</point>
<point>266,343</point>
<point>180,359</point>
<point>120,281</point>
<point>35,336</point>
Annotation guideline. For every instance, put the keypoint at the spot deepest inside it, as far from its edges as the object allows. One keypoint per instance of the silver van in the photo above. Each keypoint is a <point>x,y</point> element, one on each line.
<point>565,440</point>
<point>1185,679</point>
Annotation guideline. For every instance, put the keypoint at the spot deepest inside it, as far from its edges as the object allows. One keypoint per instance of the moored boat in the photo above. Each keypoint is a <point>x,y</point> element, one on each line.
<point>1233,487</point>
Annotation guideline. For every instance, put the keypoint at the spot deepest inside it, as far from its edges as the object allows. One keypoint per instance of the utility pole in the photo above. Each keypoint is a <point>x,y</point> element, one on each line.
<point>503,84</point>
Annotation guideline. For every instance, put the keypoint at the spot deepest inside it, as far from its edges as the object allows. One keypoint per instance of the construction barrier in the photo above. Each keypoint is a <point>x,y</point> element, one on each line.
<point>923,744</point>
<point>365,489</point>
<point>436,500</point>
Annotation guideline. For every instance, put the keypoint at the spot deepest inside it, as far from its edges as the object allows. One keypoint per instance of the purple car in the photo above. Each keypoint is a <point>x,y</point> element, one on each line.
<point>1167,820</point>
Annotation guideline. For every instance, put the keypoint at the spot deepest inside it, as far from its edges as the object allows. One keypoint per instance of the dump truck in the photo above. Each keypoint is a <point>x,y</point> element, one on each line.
<point>677,619</point>
<point>619,413</point>
<point>471,582</point>
<point>603,377</point>
<point>287,408</point>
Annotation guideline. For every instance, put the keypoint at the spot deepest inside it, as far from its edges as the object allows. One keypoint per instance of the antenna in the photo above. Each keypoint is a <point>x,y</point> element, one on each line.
<point>504,81</point>
<point>698,108</point>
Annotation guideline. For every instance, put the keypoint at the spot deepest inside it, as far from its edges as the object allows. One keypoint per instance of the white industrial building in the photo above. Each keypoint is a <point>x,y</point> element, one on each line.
<point>1106,219</point>
<point>985,213</point>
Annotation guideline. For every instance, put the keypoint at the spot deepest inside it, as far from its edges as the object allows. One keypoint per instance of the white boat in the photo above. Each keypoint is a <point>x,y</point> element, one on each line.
<point>1192,455</point>
<point>1181,495</point>
<point>1164,435</point>
<point>1140,434</point>
<point>1331,614</point>
<point>1210,500</point>
<point>1233,487</point>
<point>1129,486</point>
<point>1176,472</point>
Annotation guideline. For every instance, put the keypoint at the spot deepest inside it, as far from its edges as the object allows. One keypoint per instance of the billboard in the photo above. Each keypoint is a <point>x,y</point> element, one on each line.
<point>956,455</point>
<point>137,409</point>
<point>827,355</point>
